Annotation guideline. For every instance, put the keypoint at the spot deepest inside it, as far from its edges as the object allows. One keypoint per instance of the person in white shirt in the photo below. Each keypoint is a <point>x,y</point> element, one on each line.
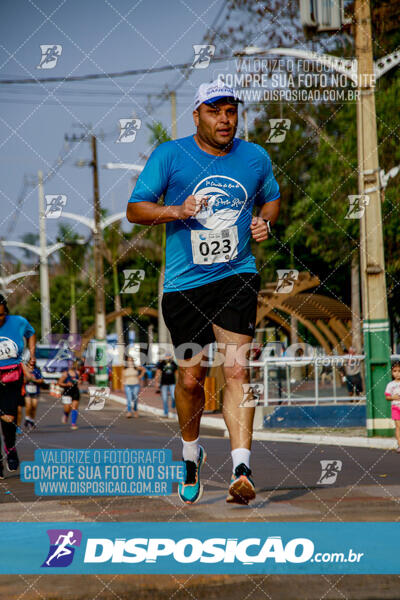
<point>132,376</point>
<point>392,394</point>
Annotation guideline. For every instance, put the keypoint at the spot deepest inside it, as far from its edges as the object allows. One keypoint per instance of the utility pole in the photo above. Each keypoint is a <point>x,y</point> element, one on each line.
<point>100,309</point>
<point>44,267</point>
<point>375,312</point>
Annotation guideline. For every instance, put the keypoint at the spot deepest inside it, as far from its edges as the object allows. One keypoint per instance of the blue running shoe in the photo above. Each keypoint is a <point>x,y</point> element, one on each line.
<point>191,490</point>
<point>241,489</point>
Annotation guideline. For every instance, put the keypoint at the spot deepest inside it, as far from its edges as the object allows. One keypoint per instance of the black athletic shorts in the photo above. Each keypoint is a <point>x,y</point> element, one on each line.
<point>73,392</point>
<point>230,303</point>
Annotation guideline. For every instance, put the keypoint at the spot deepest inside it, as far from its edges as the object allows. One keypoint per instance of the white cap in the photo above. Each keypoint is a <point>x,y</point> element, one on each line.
<point>211,92</point>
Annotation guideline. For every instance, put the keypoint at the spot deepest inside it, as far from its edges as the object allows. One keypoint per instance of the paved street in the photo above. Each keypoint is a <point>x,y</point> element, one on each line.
<point>286,475</point>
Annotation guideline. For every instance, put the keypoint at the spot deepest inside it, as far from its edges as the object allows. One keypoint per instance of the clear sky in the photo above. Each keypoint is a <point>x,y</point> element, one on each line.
<point>97,36</point>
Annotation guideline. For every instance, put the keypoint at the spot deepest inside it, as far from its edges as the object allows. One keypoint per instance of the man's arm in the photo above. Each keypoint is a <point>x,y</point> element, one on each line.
<point>270,211</point>
<point>157,376</point>
<point>268,199</point>
<point>149,213</point>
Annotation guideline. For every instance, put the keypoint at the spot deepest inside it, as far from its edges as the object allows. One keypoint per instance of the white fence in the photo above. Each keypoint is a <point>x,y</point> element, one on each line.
<point>306,379</point>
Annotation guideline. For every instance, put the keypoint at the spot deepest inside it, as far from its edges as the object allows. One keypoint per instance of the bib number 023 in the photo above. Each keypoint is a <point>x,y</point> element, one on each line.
<point>210,247</point>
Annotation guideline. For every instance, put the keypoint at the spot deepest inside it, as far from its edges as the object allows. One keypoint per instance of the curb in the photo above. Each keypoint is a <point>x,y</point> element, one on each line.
<point>296,438</point>
<point>326,440</point>
<point>212,422</point>
<point>143,407</point>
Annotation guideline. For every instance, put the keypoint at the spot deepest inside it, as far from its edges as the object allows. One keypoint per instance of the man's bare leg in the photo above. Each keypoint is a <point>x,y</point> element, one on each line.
<point>238,417</point>
<point>189,395</point>
<point>189,399</point>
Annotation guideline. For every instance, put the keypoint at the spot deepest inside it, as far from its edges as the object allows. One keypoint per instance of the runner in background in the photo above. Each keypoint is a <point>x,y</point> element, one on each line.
<point>33,381</point>
<point>13,330</point>
<point>165,377</point>
<point>69,382</point>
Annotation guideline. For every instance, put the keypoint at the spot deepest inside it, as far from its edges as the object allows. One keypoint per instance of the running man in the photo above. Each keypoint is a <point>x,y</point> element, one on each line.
<point>210,182</point>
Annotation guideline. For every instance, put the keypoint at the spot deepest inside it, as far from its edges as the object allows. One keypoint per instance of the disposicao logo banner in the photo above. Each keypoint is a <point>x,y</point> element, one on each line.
<point>219,548</point>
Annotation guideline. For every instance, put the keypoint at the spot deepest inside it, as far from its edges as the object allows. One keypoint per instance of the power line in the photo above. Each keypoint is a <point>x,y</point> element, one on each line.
<point>107,75</point>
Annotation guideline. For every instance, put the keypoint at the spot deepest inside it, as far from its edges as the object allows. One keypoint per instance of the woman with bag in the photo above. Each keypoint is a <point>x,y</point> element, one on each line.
<point>70,381</point>
<point>13,330</point>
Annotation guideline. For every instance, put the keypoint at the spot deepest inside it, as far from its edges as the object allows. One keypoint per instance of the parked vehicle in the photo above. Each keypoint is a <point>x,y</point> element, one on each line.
<point>52,361</point>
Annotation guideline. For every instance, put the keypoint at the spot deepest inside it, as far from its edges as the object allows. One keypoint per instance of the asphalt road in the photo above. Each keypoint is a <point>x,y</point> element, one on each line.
<point>286,475</point>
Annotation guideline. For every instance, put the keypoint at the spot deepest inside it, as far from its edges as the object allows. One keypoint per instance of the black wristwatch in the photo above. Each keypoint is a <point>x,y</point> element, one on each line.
<point>268,222</point>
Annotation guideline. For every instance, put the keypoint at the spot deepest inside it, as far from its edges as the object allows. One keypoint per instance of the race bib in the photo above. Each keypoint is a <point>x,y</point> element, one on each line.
<point>30,388</point>
<point>66,400</point>
<point>210,247</point>
<point>8,349</point>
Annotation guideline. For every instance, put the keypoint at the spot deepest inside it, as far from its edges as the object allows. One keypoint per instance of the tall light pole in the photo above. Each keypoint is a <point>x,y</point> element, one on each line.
<point>373,281</point>
<point>44,266</point>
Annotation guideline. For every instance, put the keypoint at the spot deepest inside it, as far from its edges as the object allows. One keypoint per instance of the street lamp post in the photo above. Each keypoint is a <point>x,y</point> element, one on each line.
<point>43,252</point>
<point>44,266</point>
<point>5,281</point>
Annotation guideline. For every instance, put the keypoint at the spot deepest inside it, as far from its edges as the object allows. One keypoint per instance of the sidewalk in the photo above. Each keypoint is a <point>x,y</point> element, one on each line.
<point>150,402</point>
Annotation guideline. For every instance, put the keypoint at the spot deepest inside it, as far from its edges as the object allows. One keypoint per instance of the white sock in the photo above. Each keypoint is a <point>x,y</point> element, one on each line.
<point>239,456</point>
<point>191,450</point>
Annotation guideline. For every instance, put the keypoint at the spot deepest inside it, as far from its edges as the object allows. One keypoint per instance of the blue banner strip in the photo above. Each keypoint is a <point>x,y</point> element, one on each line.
<point>209,548</point>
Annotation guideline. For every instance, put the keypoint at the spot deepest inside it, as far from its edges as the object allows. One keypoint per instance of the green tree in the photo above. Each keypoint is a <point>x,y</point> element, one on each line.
<point>72,257</point>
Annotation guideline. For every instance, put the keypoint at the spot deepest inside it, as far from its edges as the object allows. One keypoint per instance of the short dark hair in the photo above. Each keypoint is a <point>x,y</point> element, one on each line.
<point>396,364</point>
<point>3,302</point>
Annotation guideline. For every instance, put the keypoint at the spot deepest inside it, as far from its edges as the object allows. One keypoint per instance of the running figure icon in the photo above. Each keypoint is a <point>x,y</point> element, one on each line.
<point>50,55</point>
<point>62,549</point>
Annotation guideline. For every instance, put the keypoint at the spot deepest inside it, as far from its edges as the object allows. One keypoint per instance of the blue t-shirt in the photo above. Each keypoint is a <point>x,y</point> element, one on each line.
<point>216,242</point>
<point>12,335</point>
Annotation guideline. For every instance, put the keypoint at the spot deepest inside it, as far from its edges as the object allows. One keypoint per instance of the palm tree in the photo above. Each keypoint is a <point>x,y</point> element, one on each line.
<point>72,257</point>
<point>117,248</point>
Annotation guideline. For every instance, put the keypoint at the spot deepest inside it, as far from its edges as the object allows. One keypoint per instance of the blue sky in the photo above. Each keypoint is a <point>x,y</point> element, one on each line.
<point>96,37</point>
